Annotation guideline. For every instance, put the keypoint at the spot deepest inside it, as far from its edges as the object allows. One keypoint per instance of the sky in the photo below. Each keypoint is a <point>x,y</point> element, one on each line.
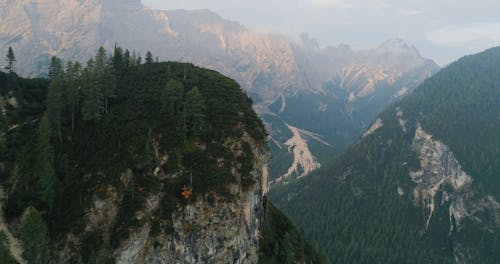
<point>443,30</point>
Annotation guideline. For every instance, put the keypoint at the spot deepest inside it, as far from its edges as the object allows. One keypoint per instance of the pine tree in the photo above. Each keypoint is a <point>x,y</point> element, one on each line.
<point>149,58</point>
<point>139,59</point>
<point>105,79</point>
<point>72,94</point>
<point>118,60</point>
<point>93,105</point>
<point>45,158</point>
<point>11,59</point>
<point>109,86</point>
<point>55,96</point>
<point>34,237</point>
<point>126,60</point>
<point>55,67</point>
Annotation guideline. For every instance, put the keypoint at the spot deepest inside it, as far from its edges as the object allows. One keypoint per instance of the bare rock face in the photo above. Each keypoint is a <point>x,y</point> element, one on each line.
<point>442,185</point>
<point>270,67</point>
<point>205,231</point>
<point>266,64</point>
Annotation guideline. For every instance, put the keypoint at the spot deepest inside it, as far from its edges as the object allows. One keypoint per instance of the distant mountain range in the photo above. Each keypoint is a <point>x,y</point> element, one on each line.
<point>422,184</point>
<point>315,101</point>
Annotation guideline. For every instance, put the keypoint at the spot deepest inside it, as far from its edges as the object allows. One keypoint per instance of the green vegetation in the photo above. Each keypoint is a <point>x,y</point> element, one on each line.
<point>34,237</point>
<point>351,207</point>
<point>282,243</point>
<point>5,255</point>
<point>74,137</point>
<point>11,59</point>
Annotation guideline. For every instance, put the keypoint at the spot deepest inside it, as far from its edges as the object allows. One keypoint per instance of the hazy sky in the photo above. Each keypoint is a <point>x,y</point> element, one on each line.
<point>443,30</point>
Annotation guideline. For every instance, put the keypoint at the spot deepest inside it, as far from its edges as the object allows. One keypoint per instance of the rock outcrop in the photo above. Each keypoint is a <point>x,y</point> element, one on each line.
<point>205,231</point>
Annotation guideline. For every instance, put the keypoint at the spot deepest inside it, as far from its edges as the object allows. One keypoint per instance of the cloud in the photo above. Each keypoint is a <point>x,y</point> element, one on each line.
<point>481,35</point>
<point>414,12</point>
<point>329,3</point>
<point>343,4</point>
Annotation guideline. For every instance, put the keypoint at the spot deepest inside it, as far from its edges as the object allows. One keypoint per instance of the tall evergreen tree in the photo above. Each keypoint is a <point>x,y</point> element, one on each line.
<point>126,60</point>
<point>72,93</point>
<point>34,237</point>
<point>105,80</point>
<point>109,86</point>
<point>149,58</point>
<point>11,59</point>
<point>92,105</point>
<point>56,67</point>
<point>139,59</point>
<point>118,60</point>
<point>44,164</point>
<point>55,96</point>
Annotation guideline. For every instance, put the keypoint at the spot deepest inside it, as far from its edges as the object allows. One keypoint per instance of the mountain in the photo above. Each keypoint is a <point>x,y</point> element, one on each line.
<point>118,162</point>
<point>422,184</point>
<point>336,90</point>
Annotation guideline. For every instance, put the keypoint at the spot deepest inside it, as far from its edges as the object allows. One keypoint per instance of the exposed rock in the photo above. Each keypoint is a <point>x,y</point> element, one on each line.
<point>441,181</point>
<point>222,231</point>
<point>304,162</point>
<point>376,125</point>
<point>401,120</point>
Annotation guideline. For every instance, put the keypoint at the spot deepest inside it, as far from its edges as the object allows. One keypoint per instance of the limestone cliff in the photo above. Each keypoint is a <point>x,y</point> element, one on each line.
<point>209,229</point>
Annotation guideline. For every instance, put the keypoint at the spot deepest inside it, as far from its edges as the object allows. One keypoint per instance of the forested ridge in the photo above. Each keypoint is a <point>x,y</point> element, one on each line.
<point>360,208</point>
<point>66,137</point>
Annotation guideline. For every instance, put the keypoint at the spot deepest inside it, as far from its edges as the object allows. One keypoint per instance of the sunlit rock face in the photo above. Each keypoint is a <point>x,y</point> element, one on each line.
<point>351,85</point>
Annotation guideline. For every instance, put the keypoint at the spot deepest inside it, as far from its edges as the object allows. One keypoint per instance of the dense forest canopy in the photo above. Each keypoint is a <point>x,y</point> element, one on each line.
<point>360,208</point>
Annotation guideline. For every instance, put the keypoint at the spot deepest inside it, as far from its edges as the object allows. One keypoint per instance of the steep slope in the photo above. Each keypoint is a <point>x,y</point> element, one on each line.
<point>422,184</point>
<point>340,89</point>
<point>171,171</point>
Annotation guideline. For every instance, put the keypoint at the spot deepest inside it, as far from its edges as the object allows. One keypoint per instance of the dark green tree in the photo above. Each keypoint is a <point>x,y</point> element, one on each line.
<point>72,82</point>
<point>55,68</point>
<point>138,60</point>
<point>34,237</point>
<point>11,59</point>
<point>92,104</point>
<point>149,57</point>
<point>55,96</point>
<point>45,179</point>
<point>126,60</point>
<point>5,255</point>
<point>118,60</point>
<point>105,80</point>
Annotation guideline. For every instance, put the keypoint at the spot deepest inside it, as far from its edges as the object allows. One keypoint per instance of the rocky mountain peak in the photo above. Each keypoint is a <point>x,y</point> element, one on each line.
<point>399,48</point>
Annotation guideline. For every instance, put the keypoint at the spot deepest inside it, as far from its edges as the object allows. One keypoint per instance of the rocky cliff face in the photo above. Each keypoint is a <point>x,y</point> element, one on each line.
<point>206,231</point>
<point>352,85</point>
<point>442,185</point>
<point>210,229</point>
